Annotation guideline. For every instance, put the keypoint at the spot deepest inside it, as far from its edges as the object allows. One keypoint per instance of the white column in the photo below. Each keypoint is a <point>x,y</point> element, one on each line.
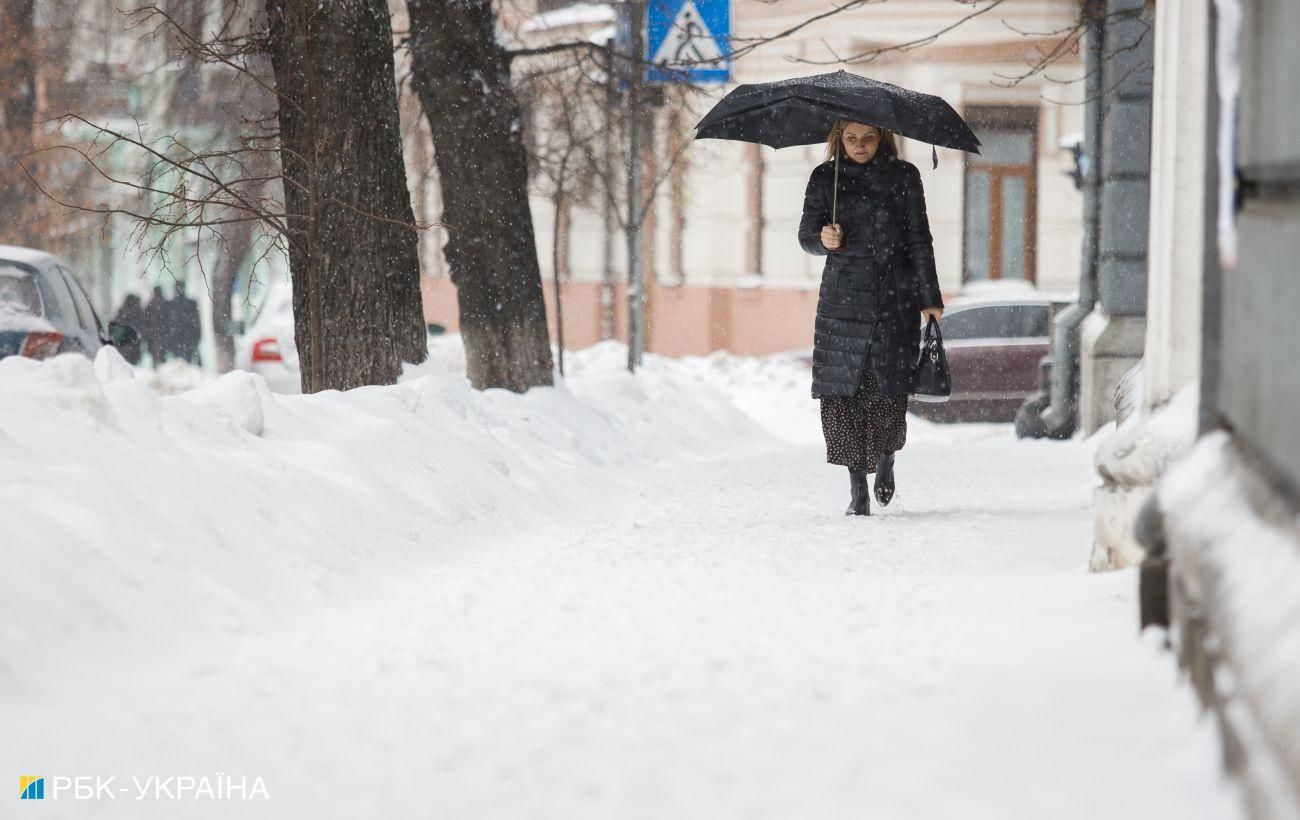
<point>1131,460</point>
<point>1178,201</point>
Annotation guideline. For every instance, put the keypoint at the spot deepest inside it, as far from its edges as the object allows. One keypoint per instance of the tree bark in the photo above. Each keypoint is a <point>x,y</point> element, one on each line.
<point>17,117</point>
<point>353,248</point>
<point>558,236</point>
<point>236,248</point>
<point>649,226</point>
<point>462,77</point>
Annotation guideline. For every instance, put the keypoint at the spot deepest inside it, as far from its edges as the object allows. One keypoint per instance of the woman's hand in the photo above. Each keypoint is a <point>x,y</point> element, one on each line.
<point>832,237</point>
<point>927,313</point>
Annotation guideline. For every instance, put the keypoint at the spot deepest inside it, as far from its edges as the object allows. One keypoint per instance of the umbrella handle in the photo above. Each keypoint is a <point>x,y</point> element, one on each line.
<point>835,187</point>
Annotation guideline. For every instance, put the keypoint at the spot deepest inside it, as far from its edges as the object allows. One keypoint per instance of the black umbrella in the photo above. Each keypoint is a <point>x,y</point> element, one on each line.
<point>802,111</point>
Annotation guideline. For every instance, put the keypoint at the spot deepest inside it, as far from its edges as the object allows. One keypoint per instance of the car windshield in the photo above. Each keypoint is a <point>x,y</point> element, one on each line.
<point>18,292</point>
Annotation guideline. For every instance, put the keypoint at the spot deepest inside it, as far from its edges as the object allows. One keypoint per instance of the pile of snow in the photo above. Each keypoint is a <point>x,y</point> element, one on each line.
<point>173,377</point>
<point>134,514</point>
<point>773,390</point>
<point>141,502</point>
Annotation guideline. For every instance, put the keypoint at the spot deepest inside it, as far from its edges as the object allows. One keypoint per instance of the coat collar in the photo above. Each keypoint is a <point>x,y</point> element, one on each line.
<point>851,168</point>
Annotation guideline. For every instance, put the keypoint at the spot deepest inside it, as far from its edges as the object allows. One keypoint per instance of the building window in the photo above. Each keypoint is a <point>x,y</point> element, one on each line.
<point>1000,194</point>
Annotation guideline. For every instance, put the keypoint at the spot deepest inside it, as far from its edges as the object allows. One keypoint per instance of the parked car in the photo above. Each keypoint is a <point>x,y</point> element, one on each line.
<point>267,346</point>
<point>44,310</point>
<point>994,346</point>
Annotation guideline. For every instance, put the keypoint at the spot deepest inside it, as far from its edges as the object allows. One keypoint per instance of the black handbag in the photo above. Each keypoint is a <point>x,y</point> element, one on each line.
<point>933,384</point>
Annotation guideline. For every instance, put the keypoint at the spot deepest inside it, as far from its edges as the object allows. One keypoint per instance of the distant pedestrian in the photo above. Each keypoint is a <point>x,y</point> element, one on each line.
<point>878,286</point>
<point>154,320</point>
<point>182,327</point>
<point>132,314</point>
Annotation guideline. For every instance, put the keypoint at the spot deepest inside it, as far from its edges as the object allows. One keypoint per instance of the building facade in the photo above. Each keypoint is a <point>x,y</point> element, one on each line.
<point>1200,484</point>
<point>723,267</point>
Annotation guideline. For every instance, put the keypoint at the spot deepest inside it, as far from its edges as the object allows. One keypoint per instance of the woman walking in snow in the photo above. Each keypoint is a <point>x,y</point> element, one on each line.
<point>878,287</point>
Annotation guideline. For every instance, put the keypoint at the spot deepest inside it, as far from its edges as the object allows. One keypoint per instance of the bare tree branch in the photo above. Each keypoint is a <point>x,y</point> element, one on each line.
<point>872,54</point>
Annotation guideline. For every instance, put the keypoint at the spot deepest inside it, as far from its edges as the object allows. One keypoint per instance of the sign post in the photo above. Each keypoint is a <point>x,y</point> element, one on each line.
<point>636,213</point>
<point>684,41</point>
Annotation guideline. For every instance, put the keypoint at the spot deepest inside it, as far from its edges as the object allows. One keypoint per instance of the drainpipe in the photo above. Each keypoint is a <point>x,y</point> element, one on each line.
<point>1056,414</point>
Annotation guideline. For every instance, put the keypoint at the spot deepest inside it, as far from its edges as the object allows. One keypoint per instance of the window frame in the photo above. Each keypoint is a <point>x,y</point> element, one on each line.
<point>1021,118</point>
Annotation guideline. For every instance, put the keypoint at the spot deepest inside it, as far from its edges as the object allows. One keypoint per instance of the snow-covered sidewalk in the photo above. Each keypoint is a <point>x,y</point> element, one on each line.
<point>619,600</point>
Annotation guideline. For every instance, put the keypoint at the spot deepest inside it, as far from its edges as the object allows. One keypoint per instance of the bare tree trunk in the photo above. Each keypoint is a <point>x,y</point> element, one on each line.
<point>649,227</point>
<point>462,77</point>
<point>635,203</point>
<point>557,259</point>
<point>236,247</point>
<point>677,198</point>
<point>607,159</point>
<point>352,251</point>
<point>17,116</point>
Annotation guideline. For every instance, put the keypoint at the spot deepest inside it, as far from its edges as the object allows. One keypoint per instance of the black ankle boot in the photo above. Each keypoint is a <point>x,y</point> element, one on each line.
<point>885,480</point>
<point>861,499</point>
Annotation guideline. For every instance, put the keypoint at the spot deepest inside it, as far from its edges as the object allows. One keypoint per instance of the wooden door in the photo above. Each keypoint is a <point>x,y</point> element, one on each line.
<point>1000,195</point>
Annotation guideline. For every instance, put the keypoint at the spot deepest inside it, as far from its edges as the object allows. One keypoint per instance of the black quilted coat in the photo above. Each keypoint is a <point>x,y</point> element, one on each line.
<point>874,287</point>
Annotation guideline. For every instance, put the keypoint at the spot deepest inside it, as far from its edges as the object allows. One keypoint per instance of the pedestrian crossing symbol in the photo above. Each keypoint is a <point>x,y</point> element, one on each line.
<point>688,41</point>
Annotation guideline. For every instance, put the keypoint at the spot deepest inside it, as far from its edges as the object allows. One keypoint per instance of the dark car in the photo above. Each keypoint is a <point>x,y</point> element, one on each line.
<point>994,349</point>
<point>44,311</point>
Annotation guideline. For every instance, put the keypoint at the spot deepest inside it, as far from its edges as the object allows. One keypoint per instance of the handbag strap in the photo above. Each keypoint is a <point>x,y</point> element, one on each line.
<point>932,331</point>
<point>932,347</point>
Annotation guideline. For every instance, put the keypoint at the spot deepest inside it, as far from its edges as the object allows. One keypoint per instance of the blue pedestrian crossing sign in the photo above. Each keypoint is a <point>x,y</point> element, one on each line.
<point>688,41</point>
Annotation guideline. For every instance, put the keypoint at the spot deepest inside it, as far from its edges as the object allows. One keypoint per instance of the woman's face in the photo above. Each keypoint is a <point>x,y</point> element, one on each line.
<point>860,141</point>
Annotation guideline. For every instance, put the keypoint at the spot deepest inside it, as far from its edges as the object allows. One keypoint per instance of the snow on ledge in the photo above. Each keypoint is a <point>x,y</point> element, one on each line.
<point>1144,446</point>
<point>577,15</point>
<point>1234,544</point>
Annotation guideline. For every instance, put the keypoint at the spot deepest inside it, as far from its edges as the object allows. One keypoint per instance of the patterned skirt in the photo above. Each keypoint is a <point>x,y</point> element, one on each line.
<point>862,428</point>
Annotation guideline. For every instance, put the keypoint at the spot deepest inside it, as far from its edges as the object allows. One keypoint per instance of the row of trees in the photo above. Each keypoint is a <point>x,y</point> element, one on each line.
<point>313,163</point>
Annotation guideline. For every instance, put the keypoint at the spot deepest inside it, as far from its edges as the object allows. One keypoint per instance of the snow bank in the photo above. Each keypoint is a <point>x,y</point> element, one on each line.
<point>132,517</point>
<point>773,390</point>
<point>173,377</point>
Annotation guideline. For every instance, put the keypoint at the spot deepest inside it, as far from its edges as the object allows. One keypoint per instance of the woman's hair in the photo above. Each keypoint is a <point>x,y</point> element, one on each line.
<point>887,143</point>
